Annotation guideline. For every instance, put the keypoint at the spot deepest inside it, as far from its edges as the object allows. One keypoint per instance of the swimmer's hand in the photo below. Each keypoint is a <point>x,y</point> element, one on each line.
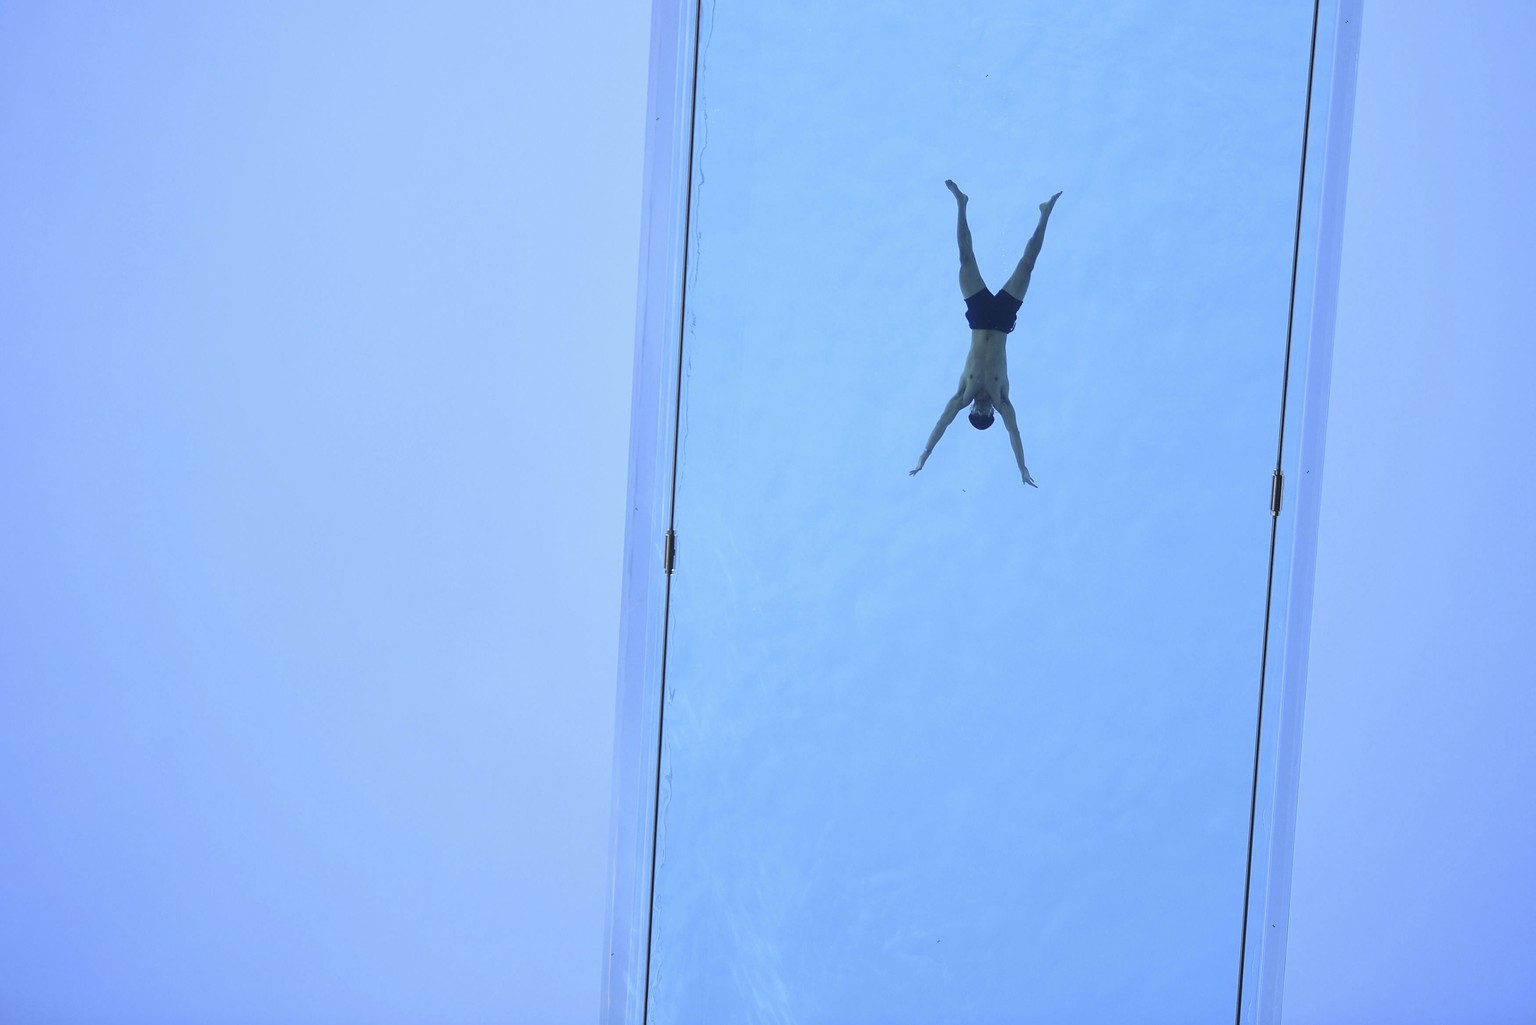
<point>1027,479</point>
<point>913,472</point>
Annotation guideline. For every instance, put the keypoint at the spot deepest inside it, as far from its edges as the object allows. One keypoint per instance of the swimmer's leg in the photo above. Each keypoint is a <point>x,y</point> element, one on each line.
<point>1018,284</point>
<point>970,274</point>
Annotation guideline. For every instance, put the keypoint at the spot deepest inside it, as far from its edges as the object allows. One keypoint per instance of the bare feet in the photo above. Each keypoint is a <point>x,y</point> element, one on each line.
<point>1045,207</point>
<point>961,197</point>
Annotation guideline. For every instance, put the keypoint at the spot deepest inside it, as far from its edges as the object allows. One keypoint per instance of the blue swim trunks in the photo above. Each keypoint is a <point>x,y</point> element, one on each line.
<point>988,311</point>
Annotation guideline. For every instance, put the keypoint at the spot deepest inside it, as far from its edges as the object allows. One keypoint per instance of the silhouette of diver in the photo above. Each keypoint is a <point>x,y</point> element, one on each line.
<point>984,381</point>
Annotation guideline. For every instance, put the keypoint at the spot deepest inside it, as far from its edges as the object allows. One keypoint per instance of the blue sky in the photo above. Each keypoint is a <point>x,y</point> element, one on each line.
<point>315,342</point>
<point>296,690</point>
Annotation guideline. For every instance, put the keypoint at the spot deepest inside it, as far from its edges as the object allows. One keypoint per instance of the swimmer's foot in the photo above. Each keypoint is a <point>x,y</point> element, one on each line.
<point>960,197</point>
<point>1045,207</point>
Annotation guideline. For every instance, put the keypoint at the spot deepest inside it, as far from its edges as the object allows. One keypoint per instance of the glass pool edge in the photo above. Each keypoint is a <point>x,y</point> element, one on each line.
<point>1327,174</point>
<point>642,621</point>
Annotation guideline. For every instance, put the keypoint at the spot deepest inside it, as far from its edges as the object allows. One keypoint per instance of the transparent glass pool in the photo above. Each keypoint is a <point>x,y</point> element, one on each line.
<point>946,747</point>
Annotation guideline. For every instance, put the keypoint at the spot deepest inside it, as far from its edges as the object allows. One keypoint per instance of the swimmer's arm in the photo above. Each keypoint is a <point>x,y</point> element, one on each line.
<point>1005,410</point>
<point>955,405</point>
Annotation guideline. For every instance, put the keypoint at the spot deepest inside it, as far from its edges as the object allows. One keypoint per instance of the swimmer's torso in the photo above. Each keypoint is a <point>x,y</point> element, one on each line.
<point>986,368</point>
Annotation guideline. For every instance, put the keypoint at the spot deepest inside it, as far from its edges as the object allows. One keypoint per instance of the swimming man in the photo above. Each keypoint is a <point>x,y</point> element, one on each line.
<point>984,382</point>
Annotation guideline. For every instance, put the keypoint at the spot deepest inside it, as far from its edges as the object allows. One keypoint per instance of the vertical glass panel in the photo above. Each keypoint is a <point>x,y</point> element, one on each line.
<point>948,747</point>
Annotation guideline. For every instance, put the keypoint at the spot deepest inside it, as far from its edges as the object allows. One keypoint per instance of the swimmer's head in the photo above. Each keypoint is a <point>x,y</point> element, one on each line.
<point>981,413</point>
